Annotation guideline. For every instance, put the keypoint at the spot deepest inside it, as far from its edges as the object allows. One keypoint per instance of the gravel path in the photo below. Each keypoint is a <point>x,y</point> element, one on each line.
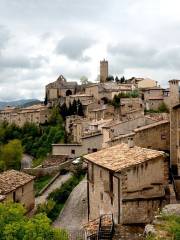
<point>74,214</point>
<point>56,184</point>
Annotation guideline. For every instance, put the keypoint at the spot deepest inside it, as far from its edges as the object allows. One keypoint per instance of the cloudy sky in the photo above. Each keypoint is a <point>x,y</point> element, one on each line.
<point>41,39</point>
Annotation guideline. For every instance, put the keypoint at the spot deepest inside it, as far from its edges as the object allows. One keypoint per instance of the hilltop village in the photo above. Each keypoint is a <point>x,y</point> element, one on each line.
<point>123,134</point>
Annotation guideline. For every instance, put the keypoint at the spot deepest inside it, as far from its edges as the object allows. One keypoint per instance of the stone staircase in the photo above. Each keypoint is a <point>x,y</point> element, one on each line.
<point>106,227</point>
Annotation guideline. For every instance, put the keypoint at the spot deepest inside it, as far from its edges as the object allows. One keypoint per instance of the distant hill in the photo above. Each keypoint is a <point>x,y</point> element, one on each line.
<point>19,103</point>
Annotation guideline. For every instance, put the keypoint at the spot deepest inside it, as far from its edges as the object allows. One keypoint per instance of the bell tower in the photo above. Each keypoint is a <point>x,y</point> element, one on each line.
<point>103,71</point>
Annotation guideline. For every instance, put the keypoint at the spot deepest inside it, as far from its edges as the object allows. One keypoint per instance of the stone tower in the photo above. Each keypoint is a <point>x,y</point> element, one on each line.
<point>103,70</point>
<point>174,134</point>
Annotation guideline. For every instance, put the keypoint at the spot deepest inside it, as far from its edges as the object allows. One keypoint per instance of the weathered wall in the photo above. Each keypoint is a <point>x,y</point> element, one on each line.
<point>23,195</point>
<point>88,144</point>
<point>155,136</point>
<point>122,128</point>
<point>40,171</point>
<point>99,198</point>
<point>136,195</point>
<point>143,191</point>
<point>93,90</point>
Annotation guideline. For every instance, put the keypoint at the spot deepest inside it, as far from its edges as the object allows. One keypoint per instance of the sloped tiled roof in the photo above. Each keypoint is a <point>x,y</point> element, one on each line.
<point>12,179</point>
<point>120,156</point>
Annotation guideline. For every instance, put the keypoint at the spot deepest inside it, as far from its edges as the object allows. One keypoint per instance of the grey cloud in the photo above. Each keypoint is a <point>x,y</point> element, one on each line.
<point>4,37</point>
<point>22,62</point>
<point>73,47</point>
<point>127,55</point>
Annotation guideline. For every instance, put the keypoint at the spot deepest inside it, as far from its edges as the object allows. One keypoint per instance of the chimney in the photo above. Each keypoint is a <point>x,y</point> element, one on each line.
<point>130,142</point>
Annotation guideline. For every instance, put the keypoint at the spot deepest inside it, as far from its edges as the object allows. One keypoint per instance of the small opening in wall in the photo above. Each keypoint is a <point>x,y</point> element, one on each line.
<point>72,151</point>
<point>101,196</point>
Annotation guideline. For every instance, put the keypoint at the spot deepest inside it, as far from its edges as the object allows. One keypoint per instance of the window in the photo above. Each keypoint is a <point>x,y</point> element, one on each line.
<point>101,196</point>
<point>14,196</point>
<point>163,137</point>
<point>72,151</point>
<point>94,149</point>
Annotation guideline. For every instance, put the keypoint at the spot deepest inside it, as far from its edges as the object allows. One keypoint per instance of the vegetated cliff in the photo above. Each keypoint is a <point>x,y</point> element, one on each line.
<point>166,225</point>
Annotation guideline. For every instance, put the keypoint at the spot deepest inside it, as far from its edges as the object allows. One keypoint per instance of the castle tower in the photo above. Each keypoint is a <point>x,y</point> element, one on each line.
<point>103,70</point>
<point>174,131</point>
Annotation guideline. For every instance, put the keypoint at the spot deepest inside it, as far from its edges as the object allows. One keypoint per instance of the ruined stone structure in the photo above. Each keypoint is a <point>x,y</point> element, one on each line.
<point>17,186</point>
<point>127,181</point>
<point>57,91</point>
<point>103,70</point>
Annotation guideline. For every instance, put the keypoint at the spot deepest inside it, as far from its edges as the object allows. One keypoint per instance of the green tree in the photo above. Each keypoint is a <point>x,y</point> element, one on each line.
<point>163,108</point>
<point>80,110</point>
<point>117,79</point>
<point>110,78</point>
<point>74,107</point>
<point>16,226</point>
<point>122,80</point>
<point>64,111</point>
<point>11,154</point>
<point>84,80</point>
<point>55,117</point>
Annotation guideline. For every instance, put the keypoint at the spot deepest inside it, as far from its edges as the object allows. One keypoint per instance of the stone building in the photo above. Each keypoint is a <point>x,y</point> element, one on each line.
<point>103,70</point>
<point>119,128</point>
<point>85,99</point>
<point>127,181</point>
<point>57,91</point>
<point>107,90</point>
<point>17,186</point>
<point>146,83</point>
<point>174,126</point>
<point>144,136</point>
<point>91,142</point>
<point>153,97</point>
<point>37,114</point>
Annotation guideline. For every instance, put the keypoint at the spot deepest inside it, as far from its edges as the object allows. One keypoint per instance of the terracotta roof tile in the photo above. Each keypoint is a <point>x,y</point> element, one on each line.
<point>121,156</point>
<point>12,179</point>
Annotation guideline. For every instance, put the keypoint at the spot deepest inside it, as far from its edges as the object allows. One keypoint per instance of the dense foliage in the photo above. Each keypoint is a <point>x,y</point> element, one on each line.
<point>41,182</point>
<point>117,98</point>
<point>74,108</point>
<point>36,140</point>
<point>11,155</point>
<point>14,225</point>
<point>168,228</point>
<point>163,108</point>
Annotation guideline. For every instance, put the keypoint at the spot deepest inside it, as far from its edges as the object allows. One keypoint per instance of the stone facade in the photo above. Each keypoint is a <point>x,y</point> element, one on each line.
<point>147,83</point>
<point>132,195</point>
<point>37,114</point>
<point>174,125</point>
<point>17,187</point>
<point>144,136</point>
<point>152,97</point>
<point>88,143</point>
<point>117,128</point>
<point>103,70</point>
<point>85,99</point>
<point>57,91</point>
